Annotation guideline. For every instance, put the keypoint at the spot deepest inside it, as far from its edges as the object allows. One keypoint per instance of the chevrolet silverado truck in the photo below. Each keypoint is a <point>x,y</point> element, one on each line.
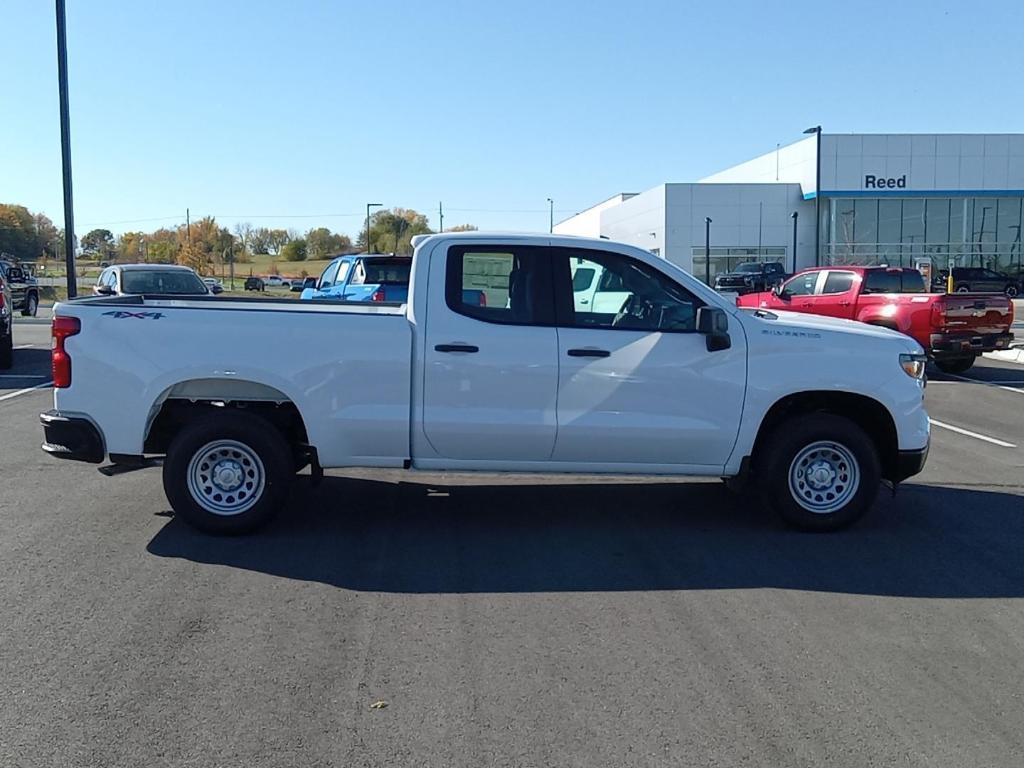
<point>953,328</point>
<point>675,380</point>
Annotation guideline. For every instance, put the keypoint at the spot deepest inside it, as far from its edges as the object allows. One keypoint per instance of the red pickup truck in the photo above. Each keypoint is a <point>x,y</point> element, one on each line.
<point>953,328</point>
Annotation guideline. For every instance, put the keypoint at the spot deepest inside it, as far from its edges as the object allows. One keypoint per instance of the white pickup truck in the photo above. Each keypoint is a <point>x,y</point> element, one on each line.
<point>493,365</point>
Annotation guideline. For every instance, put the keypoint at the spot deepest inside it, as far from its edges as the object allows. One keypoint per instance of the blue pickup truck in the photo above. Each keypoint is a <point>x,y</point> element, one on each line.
<point>363,277</point>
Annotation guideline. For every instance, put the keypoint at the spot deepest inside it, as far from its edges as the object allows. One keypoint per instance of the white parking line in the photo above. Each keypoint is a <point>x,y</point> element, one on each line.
<point>997,385</point>
<point>975,435</point>
<point>9,395</point>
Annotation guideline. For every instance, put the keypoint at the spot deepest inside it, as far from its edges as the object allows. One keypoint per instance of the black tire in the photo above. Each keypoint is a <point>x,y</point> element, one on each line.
<point>962,289</point>
<point>793,439</point>
<point>6,352</point>
<point>31,305</point>
<point>1012,291</point>
<point>227,431</point>
<point>956,364</point>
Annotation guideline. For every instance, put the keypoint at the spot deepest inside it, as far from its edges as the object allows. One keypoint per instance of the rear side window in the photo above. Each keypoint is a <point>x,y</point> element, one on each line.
<point>500,284</point>
<point>838,282</point>
<point>883,281</point>
<point>913,282</point>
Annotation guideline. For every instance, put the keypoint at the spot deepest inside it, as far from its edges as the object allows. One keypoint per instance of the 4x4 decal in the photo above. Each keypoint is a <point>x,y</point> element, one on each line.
<point>120,314</point>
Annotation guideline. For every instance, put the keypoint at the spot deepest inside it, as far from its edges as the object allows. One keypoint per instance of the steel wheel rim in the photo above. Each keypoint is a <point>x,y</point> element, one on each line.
<point>32,306</point>
<point>823,477</point>
<point>226,477</point>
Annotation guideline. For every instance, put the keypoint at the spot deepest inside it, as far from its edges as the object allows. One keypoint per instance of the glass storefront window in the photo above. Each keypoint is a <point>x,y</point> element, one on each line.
<point>912,233</point>
<point>890,216</point>
<point>1008,221</point>
<point>865,227</point>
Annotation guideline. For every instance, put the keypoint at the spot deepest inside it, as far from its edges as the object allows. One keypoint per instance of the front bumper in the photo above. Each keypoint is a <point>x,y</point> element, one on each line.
<point>71,437</point>
<point>909,463</point>
<point>952,345</point>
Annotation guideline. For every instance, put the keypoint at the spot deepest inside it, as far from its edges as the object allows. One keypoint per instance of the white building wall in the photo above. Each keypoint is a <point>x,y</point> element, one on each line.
<point>639,221</point>
<point>588,223</point>
<point>792,164</point>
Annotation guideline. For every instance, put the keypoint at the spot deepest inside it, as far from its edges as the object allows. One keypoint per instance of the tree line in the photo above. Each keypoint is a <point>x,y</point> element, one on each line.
<point>204,244</point>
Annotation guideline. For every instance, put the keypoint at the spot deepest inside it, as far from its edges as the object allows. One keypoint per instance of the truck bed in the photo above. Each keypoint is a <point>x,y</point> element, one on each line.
<point>346,366</point>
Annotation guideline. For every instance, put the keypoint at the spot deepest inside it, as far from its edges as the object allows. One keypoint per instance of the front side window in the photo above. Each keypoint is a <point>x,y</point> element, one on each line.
<point>838,282</point>
<point>500,284</point>
<point>630,294</point>
<point>802,285</point>
<point>329,276</point>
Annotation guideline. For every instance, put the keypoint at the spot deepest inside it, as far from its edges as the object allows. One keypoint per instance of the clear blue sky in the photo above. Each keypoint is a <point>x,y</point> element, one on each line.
<point>272,111</point>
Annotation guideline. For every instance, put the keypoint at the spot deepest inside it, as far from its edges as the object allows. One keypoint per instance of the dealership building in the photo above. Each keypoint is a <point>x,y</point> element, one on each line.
<point>882,199</point>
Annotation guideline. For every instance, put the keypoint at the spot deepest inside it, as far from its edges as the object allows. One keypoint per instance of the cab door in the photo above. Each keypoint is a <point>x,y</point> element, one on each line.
<point>490,378</point>
<point>835,294</point>
<point>636,382</point>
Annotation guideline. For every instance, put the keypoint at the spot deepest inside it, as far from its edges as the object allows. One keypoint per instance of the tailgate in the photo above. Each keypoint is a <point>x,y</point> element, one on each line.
<point>977,313</point>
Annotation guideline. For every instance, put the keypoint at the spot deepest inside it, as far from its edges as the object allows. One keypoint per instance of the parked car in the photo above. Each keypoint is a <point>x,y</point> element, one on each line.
<point>149,279</point>
<point>213,284</point>
<point>751,277</point>
<point>303,284</point>
<point>23,287</point>
<point>6,327</point>
<point>255,284</point>
<point>363,277</point>
<point>274,281</point>
<point>953,328</point>
<point>679,381</point>
<point>977,280</point>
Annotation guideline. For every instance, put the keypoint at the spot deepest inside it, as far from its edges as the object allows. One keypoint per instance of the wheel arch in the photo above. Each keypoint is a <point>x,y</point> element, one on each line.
<point>187,400</point>
<point>864,411</point>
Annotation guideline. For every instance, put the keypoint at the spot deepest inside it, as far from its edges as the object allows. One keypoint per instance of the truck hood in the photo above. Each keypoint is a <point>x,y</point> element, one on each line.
<point>797,322</point>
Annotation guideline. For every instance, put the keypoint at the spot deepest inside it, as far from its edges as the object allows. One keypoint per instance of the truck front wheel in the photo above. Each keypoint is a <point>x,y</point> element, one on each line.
<point>228,473</point>
<point>819,472</point>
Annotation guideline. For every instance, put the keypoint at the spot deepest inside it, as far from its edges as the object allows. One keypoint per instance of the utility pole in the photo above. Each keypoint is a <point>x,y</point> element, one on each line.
<point>707,250</point>
<point>551,215</point>
<point>65,150</point>
<point>188,229</point>
<point>368,207</point>
<point>440,216</point>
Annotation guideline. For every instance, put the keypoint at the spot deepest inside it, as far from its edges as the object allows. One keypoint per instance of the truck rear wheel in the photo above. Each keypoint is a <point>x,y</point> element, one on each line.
<point>31,305</point>
<point>956,364</point>
<point>819,472</point>
<point>227,474</point>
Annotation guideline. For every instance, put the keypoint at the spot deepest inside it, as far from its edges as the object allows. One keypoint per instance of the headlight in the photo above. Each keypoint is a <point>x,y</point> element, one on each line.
<point>913,365</point>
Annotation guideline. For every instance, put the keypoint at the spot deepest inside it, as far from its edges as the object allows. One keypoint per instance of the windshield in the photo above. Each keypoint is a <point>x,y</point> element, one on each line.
<point>389,272</point>
<point>748,268</point>
<point>161,281</point>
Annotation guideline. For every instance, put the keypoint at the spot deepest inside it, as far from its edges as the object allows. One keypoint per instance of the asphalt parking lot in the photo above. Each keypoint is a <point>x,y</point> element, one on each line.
<point>588,622</point>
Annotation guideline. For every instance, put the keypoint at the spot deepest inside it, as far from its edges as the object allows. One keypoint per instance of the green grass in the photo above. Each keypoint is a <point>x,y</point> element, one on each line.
<point>261,263</point>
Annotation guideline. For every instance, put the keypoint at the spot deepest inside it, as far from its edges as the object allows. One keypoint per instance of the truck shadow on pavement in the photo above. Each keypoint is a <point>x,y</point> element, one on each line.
<point>404,537</point>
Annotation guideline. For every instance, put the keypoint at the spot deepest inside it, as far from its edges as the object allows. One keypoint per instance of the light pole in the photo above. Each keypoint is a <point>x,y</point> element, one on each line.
<point>65,150</point>
<point>368,207</point>
<point>816,130</point>
<point>794,216</point>
<point>551,215</point>
<point>707,250</point>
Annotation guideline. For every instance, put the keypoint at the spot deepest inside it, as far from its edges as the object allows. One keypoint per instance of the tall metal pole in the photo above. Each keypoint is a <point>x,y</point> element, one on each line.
<point>707,250</point>
<point>817,204</point>
<point>795,215</point>
<point>440,216</point>
<point>188,230</point>
<point>65,151</point>
<point>551,215</point>
<point>368,207</point>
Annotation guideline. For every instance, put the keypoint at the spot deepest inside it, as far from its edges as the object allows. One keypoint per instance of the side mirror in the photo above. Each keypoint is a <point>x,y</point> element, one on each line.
<point>780,292</point>
<point>104,290</point>
<point>713,324</point>
<point>306,295</point>
<point>216,289</point>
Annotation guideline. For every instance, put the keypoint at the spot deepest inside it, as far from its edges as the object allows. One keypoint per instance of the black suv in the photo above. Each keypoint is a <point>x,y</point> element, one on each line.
<point>751,277</point>
<point>255,284</point>
<point>24,290</point>
<point>6,327</point>
<point>978,280</point>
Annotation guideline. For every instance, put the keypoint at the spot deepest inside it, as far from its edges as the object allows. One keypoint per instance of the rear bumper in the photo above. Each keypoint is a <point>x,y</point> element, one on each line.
<point>909,463</point>
<point>71,437</point>
<point>958,345</point>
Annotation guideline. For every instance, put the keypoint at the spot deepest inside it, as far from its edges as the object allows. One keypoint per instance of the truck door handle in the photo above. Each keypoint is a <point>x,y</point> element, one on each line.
<point>589,353</point>
<point>456,348</point>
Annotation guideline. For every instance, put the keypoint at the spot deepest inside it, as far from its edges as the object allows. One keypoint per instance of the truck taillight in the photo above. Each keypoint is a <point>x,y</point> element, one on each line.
<point>378,295</point>
<point>483,299</point>
<point>61,361</point>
